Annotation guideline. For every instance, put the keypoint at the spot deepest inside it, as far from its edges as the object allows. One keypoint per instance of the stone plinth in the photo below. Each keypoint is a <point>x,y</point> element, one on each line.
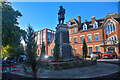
<point>71,64</point>
<point>62,35</point>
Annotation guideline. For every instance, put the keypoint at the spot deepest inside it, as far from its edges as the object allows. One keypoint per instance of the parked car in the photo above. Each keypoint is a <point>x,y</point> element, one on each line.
<point>109,55</point>
<point>96,55</point>
<point>49,58</point>
<point>22,58</point>
<point>10,60</point>
<point>78,57</point>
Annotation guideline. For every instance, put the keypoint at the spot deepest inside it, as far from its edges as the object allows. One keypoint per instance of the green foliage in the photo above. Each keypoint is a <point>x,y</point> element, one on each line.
<point>42,51</point>
<point>119,46</point>
<point>19,51</point>
<point>32,66</point>
<point>6,51</point>
<point>84,48</point>
<point>81,56</point>
<point>56,49</point>
<point>11,32</point>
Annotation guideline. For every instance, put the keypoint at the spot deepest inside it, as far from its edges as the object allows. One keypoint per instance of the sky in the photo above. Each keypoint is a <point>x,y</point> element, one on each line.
<point>42,15</point>
<point>63,0</point>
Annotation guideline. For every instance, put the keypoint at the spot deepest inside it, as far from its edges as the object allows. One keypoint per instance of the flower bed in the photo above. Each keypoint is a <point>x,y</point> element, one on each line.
<point>71,64</point>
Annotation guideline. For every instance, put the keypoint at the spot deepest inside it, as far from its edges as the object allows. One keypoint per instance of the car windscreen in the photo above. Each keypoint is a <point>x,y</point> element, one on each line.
<point>50,58</point>
<point>107,52</point>
<point>96,53</point>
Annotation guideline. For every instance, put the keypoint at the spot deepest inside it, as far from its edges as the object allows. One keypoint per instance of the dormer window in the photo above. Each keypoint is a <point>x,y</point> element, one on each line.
<point>69,23</point>
<point>74,30</point>
<point>85,26</point>
<point>110,27</point>
<point>95,24</point>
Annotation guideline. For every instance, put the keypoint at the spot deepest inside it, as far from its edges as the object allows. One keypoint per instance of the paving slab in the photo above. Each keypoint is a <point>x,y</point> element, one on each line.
<point>100,69</point>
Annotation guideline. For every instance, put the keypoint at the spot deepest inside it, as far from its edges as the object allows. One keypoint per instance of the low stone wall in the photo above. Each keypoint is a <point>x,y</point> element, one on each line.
<point>71,64</point>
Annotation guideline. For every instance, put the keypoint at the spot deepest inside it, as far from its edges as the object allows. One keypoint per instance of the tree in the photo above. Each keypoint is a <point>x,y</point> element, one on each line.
<point>56,49</point>
<point>6,51</point>
<point>42,51</point>
<point>11,32</point>
<point>32,66</point>
<point>84,48</point>
<point>119,46</point>
<point>19,51</point>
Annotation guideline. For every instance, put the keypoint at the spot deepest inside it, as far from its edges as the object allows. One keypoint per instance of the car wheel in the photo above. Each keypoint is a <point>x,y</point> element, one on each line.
<point>99,57</point>
<point>116,57</point>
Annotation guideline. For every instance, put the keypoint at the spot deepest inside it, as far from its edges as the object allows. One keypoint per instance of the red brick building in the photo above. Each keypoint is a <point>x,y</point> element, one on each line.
<point>101,35</point>
<point>45,36</point>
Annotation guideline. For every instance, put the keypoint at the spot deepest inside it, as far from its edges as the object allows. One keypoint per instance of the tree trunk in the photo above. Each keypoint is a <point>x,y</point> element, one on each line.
<point>35,75</point>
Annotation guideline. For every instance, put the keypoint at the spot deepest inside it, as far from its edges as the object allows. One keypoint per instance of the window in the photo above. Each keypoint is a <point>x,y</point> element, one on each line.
<point>113,27</point>
<point>72,23</point>
<point>85,26</point>
<point>69,40</point>
<point>115,38</point>
<point>82,39</point>
<point>90,50</point>
<point>75,51</point>
<point>69,23</point>
<point>112,38</point>
<point>48,37</point>
<point>75,40</point>
<point>109,27</point>
<point>97,48</point>
<point>69,32</point>
<point>89,38</point>
<point>53,35</point>
<point>106,30</point>
<point>95,24</point>
<point>107,40</point>
<point>38,39</point>
<point>96,37</point>
<point>74,30</point>
<point>43,35</point>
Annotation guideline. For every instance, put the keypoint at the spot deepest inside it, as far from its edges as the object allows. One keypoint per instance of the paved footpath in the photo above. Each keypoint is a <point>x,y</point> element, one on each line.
<point>100,69</point>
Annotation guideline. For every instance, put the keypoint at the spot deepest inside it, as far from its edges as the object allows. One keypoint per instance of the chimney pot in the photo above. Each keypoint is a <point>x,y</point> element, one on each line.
<point>85,20</point>
<point>93,19</point>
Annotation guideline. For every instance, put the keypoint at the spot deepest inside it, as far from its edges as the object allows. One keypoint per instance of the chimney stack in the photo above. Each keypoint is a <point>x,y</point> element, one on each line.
<point>93,19</point>
<point>79,20</point>
<point>85,20</point>
<point>106,15</point>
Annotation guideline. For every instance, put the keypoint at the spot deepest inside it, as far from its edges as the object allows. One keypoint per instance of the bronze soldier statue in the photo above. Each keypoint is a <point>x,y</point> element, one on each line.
<point>61,14</point>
